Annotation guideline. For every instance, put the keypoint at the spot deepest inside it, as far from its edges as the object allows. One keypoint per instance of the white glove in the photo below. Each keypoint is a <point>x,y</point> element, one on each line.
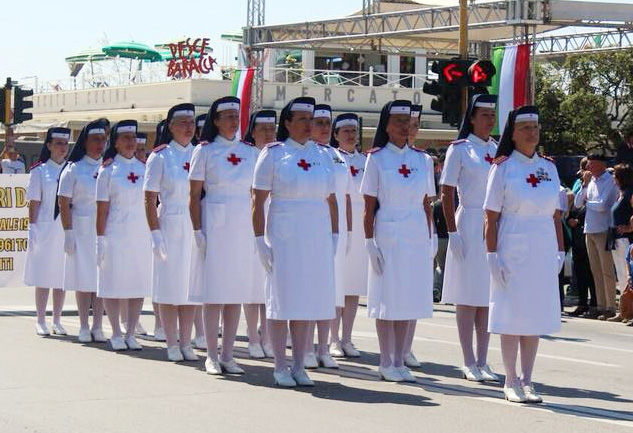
<point>32,236</point>
<point>456,245</point>
<point>101,250</point>
<point>69,242</point>
<point>375,255</point>
<point>334,243</point>
<point>348,245</point>
<point>265,253</point>
<point>201,240</point>
<point>497,270</point>
<point>158,245</point>
<point>434,245</point>
<point>560,257</point>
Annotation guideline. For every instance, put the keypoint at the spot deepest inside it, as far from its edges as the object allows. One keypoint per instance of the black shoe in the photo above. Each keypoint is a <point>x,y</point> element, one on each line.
<point>579,311</point>
<point>593,313</point>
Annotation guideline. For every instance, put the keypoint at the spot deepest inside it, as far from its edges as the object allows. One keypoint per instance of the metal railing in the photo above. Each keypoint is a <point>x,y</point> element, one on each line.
<point>371,78</point>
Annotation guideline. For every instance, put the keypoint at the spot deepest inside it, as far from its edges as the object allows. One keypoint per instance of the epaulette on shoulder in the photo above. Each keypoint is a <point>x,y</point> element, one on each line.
<point>327,146</point>
<point>107,162</point>
<point>460,141</point>
<point>36,164</point>
<point>550,159</point>
<point>247,143</point>
<point>500,160</point>
<point>374,150</point>
<point>204,143</point>
<point>274,144</point>
<point>418,150</point>
<point>159,148</point>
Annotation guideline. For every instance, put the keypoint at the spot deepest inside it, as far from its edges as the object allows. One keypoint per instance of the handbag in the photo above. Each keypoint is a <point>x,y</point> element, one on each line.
<point>626,303</point>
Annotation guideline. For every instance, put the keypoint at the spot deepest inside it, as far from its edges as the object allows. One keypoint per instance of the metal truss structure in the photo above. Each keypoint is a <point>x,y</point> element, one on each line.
<point>255,17</point>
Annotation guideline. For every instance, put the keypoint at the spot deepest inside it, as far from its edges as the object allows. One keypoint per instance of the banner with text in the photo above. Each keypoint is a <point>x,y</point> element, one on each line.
<point>14,225</point>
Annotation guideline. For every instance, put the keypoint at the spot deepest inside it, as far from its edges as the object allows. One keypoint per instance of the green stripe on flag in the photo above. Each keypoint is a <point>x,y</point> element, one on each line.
<point>236,82</point>
<point>497,60</point>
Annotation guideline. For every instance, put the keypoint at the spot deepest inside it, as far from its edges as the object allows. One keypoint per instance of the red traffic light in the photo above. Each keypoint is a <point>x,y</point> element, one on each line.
<point>452,72</point>
<point>481,73</point>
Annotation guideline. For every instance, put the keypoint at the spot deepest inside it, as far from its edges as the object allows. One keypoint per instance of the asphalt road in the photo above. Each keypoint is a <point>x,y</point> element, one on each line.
<point>57,385</point>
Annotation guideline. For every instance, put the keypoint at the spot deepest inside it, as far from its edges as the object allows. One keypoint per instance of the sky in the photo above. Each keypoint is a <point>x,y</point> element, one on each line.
<point>37,35</point>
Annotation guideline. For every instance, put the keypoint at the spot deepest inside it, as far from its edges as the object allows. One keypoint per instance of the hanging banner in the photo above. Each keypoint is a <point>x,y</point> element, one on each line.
<point>14,225</point>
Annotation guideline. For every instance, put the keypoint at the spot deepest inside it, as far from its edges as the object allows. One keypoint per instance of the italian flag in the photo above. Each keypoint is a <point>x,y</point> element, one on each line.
<point>511,80</point>
<point>242,88</point>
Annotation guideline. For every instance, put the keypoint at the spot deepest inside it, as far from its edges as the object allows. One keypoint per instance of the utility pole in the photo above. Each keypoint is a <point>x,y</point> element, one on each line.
<point>463,45</point>
<point>6,107</point>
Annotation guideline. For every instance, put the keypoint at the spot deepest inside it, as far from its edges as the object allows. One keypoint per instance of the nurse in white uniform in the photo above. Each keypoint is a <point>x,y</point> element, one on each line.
<point>414,125</point>
<point>78,210</point>
<point>299,242</point>
<point>167,181</point>
<point>44,268</point>
<point>466,276</point>
<point>12,164</point>
<point>223,166</point>
<point>345,140</point>
<point>261,132</point>
<point>525,249</point>
<point>398,238</point>
<point>124,243</point>
<point>321,135</point>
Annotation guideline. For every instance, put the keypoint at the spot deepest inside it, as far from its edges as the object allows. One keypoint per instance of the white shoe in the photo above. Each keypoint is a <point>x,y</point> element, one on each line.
<point>326,361</point>
<point>406,374</point>
<point>284,379</point>
<point>84,336</point>
<point>118,344</point>
<point>336,350</point>
<point>390,374</point>
<point>472,373</point>
<point>487,374</point>
<point>188,354</point>
<point>139,329</point>
<point>132,344</point>
<point>199,343</point>
<point>268,350</point>
<point>42,329</point>
<point>530,394</point>
<point>98,337</point>
<point>212,366</point>
<point>514,393</point>
<point>302,378</point>
<point>58,329</point>
<point>174,354</point>
<point>231,367</point>
<point>350,351</point>
<point>288,341</point>
<point>411,361</point>
<point>256,351</point>
<point>310,361</point>
<point>159,334</point>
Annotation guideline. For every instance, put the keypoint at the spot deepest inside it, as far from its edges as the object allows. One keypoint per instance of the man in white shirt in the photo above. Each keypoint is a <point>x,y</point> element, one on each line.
<point>12,164</point>
<point>599,192</point>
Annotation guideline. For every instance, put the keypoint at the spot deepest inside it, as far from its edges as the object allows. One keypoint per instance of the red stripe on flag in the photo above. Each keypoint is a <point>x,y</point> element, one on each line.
<point>521,74</point>
<point>245,100</point>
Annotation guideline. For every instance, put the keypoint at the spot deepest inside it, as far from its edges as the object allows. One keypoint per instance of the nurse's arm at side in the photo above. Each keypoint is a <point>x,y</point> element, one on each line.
<point>258,214</point>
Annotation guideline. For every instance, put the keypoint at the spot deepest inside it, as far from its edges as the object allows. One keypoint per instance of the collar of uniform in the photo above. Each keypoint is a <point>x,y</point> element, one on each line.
<point>223,141</point>
<point>396,149</point>
<point>605,175</point>
<point>53,163</point>
<point>92,161</point>
<point>518,155</point>
<point>179,147</point>
<point>474,139</point>
<point>296,144</point>
<point>345,152</point>
<point>120,158</point>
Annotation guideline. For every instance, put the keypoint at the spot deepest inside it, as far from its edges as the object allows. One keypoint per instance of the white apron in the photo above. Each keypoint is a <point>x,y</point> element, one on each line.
<point>357,259</point>
<point>44,266</point>
<point>404,290</point>
<point>225,274</point>
<point>300,178</point>
<point>258,288</point>
<point>167,174</point>
<point>126,272</point>
<point>529,304</point>
<point>466,167</point>
<point>78,182</point>
<point>342,179</point>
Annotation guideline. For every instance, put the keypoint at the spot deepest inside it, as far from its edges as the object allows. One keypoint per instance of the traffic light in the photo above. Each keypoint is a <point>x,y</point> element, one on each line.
<point>481,73</point>
<point>5,106</point>
<point>20,104</point>
<point>454,72</point>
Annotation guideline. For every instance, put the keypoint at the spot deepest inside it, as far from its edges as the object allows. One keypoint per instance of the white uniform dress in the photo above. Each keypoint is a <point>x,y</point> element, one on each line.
<point>399,179</point>
<point>343,182</point>
<point>167,173</point>
<point>526,193</point>
<point>226,274</point>
<point>258,289</point>
<point>126,271</point>
<point>357,259</point>
<point>44,265</point>
<point>466,168</point>
<point>78,183</point>
<point>300,179</point>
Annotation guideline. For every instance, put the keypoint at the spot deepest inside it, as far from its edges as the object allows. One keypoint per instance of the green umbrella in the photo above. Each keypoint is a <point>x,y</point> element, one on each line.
<point>76,62</point>
<point>132,50</point>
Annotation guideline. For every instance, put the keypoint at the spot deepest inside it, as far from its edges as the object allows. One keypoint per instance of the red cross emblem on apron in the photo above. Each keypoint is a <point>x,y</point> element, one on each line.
<point>404,171</point>
<point>233,159</point>
<point>354,170</point>
<point>132,177</point>
<point>186,167</point>
<point>489,158</point>
<point>304,165</point>
<point>533,180</point>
